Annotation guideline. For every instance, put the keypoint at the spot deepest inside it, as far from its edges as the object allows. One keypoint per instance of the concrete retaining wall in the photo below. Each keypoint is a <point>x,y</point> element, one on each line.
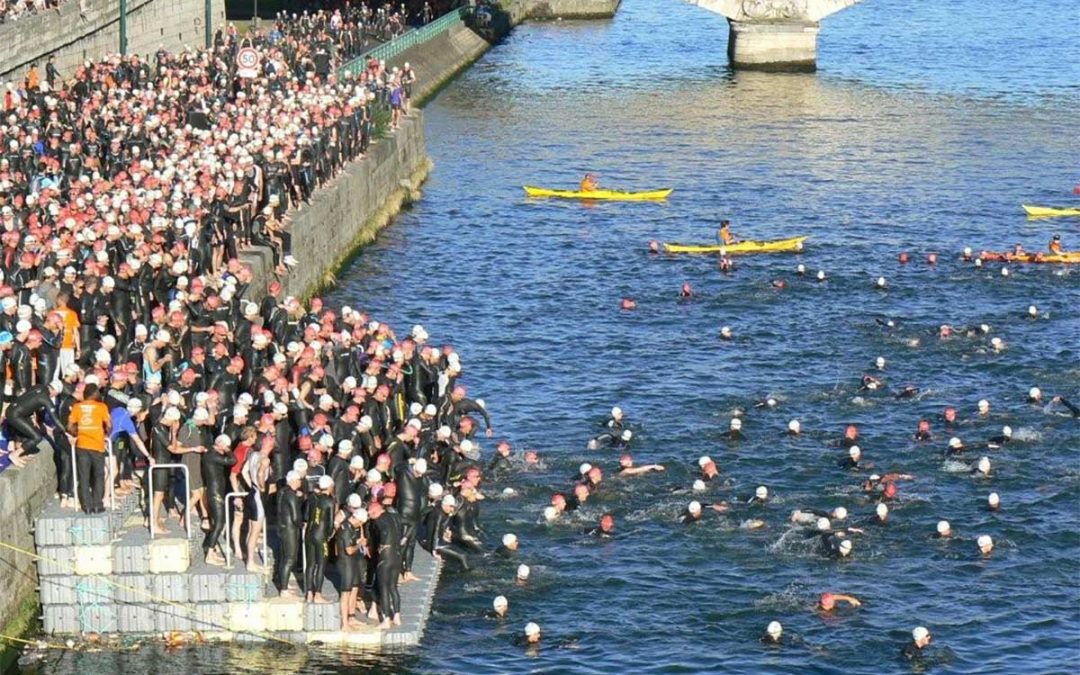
<point>548,10</point>
<point>73,37</point>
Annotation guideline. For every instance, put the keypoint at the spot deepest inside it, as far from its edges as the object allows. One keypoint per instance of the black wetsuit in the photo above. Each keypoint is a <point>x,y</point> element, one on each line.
<point>289,521</point>
<point>21,413</point>
<point>215,479</point>
<point>436,521</point>
<point>319,518</point>
<point>411,492</point>
<point>387,535</point>
<point>349,569</point>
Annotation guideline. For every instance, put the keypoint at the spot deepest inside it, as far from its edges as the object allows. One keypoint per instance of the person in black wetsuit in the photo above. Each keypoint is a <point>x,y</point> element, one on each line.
<point>412,483</point>
<point>439,533</point>
<point>387,551</point>
<point>290,510</point>
<point>318,528</point>
<point>351,544</point>
<point>500,464</point>
<point>21,418</point>
<point>214,465</point>
<point>920,640</point>
<point>606,529</point>
<point>456,406</point>
<point>1073,408</point>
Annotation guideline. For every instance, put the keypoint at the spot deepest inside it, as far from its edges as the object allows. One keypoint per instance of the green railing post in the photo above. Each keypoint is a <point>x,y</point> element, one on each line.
<point>123,28</point>
<point>208,20</point>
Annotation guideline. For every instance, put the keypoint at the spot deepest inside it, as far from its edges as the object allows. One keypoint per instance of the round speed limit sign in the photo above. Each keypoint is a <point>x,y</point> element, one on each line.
<point>247,61</point>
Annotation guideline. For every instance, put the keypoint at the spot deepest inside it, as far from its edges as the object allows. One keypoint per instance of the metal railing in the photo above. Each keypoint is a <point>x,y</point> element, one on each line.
<point>109,490</point>
<point>187,495</point>
<point>406,40</point>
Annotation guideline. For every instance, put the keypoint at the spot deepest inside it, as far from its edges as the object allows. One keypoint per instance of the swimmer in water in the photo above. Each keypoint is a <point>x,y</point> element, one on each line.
<point>1061,400</point>
<point>627,468</point>
<point>774,634</point>
<point>580,496</point>
<point>767,402</point>
<point>908,391</point>
<point>500,607</point>
<point>709,470</point>
<point>686,291</point>
<point>880,517</point>
<point>851,436</point>
<point>695,510</point>
<point>509,547</point>
<point>870,383</point>
<point>920,640</point>
<point>827,601</point>
<point>628,303</point>
<point>922,433</point>
<point>727,266</point>
<point>999,441</point>
<point>981,468</point>
<point>532,457</point>
<point>734,432</point>
<point>949,416</point>
<point>760,497</point>
<point>851,461</point>
<point>532,634</point>
<point>793,428</point>
<point>726,334</point>
<point>654,246</point>
<point>993,501</point>
<point>943,530</point>
<point>956,447</point>
<point>606,528</point>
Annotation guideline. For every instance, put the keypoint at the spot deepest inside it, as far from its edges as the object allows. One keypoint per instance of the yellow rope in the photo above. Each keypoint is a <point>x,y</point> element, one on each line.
<point>138,591</point>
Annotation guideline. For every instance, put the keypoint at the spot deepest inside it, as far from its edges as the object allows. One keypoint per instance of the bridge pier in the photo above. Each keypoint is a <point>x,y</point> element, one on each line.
<point>773,46</point>
<point>777,35</point>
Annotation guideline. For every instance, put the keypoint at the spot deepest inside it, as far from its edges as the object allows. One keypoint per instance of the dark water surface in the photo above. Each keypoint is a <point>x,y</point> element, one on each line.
<point>926,127</point>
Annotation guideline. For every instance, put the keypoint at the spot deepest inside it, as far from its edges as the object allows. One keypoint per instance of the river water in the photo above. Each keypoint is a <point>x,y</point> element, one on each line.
<point>926,126</point>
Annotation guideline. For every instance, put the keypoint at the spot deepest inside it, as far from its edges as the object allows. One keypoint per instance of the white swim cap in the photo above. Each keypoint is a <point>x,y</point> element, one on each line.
<point>943,527</point>
<point>840,513</point>
<point>466,446</point>
<point>627,434</point>
<point>955,442</point>
<point>345,447</point>
<point>882,510</point>
<point>978,262</point>
<point>499,601</point>
<point>356,462</point>
<point>616,411</point>
<point>550,513</point>
<point>291,476</point>
<point>584,468</point>
<point>736,424</point>
<point>823,524</point>
<point>794,426</point>
<point>984,465</point>
<point>509,539</point>
<point>761,492</point>
<point>694,507</point>
<point>880,362</point>
<point>881,282</point>
<point>770,402</point>
<point>1004,271</point>
<point>967,251</point>
<point>420,466</point>
<point>1034,393</point>
<point>821,275</point>
<point>725,331</point>
<point>984,404</point>
<point>532,629</point>
<point>449,500</point>
<point>435,490</point>
<point>325,482</point>
<point>920,633</point>
<point>300,464</point>
<point>361,514</point>
<point>845,547</point>
<point>523,572</point>
<point>774,629</point>
<point>373,476</point>
<point>354,501</point>
<point>430,409</point>
<point>699,485</point>
<point>509,492</point>
<point>1033,310</point>
<point>703,460</point>
<point>993,499</point>
<point>1006,431</point>
<point>855,452</point>
<point>984,540</point>
<point>997,343</point>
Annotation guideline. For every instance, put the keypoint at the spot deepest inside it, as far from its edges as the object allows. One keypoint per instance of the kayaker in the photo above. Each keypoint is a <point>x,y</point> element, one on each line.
<point>589,183</point>
<point>724,236</point>
<point>1055,245</point>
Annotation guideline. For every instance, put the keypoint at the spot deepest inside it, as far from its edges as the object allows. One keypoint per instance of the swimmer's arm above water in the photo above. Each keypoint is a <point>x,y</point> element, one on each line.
<point>1068,404</point>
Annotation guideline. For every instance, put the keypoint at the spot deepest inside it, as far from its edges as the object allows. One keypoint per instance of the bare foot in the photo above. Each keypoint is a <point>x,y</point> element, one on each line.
<point>397,619</point>
<point>385,625</point>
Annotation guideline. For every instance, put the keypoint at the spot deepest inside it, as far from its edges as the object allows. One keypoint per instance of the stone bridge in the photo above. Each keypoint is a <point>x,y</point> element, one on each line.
<point>774,34</point>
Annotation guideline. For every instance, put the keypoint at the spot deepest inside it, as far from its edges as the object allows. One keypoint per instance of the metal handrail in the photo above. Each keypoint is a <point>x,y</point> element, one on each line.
<point>108,478</point>
<point>187,495</point>
<point>406,40</point>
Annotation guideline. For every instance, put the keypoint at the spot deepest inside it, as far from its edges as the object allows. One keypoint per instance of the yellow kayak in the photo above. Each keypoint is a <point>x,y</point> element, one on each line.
<point>1049,211</point>
<point>777,246</point>
<point>612,195</point>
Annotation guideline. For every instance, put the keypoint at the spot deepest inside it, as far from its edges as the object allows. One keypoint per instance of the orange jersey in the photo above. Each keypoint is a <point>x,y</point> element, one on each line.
<point>90,418</point>
<point>71,326</point>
